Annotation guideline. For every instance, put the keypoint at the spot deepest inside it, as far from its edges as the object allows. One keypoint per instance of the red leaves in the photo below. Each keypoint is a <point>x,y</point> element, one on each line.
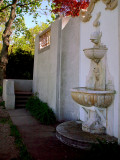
<point>70,7</point>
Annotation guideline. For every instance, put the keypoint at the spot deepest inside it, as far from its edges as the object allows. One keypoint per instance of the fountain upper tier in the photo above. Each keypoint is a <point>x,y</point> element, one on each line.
<point>96,54</point>
<point>89,98</point>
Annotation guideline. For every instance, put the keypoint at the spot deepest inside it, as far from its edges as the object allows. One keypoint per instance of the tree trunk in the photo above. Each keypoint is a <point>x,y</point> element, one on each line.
<point>1,1</point>
<point>5,37</point>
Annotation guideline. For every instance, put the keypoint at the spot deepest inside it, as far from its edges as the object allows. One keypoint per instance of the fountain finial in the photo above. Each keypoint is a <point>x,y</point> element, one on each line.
<point>96,22</point>
<point>96,36</point>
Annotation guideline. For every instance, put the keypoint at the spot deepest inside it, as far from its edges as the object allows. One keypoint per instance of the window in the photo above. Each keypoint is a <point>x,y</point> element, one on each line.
<point>45,39</point>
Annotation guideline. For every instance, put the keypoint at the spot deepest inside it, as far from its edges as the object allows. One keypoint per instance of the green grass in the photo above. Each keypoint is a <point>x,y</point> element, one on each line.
<point>4,120</point>
<point>23,153</point>
<point>1,89</point>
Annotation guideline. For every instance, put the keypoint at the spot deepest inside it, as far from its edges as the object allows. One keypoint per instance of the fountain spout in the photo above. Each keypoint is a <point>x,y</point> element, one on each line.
<point>96,36</point>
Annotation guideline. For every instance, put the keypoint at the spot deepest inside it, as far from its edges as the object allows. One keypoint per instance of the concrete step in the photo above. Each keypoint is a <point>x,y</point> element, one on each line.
<point>21,99</point>
<point>23,93</point>
<point>18,106</point>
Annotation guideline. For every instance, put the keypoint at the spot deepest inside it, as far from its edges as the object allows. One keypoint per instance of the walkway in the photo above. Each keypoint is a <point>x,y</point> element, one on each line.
<point>41,140</point>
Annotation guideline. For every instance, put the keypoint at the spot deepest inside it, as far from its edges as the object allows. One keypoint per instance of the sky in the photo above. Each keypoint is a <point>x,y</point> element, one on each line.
<point>28,18</point>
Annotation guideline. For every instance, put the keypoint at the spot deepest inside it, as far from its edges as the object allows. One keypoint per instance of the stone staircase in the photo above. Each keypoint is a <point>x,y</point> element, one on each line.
<point>21,98</point>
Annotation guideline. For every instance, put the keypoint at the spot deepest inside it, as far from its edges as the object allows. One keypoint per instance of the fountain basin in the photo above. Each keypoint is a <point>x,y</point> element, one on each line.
<point>95,54</point>
<point>88,97</point>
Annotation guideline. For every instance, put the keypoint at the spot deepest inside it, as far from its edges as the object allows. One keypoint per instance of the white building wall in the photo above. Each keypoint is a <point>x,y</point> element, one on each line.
<point>45,67</point>
<point>41,70</point>
<point>70,68</point>
<point>119,72</point>
<point>109,28</point>
<point>53,79</point>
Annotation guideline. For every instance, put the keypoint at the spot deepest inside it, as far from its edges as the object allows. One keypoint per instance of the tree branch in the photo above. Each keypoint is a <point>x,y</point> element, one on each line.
<point>7,32</point>
<point>19,4</point>
<point>26,4</point>
<point>3,8</point>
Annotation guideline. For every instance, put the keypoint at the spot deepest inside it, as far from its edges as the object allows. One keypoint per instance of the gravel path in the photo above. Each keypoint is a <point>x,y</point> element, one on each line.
<point>8,150</point>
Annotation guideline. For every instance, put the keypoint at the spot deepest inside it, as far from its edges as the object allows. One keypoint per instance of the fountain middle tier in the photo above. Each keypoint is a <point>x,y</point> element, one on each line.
<point>96,54</point>
<point>89,97</point>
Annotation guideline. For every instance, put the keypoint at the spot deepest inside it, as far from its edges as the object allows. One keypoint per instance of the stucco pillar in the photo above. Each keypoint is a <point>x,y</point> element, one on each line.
<point>8,94</point>
<point>35,68</point>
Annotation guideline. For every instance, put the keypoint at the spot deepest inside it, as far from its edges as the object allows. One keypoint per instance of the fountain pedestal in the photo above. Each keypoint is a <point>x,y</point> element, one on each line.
<point>94,123</point>
<point>71,133</point>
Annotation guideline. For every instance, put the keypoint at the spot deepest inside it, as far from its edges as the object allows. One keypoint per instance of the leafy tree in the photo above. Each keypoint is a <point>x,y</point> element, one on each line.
<point>1,31</point>
<point>27,41</point>
<point>69,7</point>
<point>15,10</point>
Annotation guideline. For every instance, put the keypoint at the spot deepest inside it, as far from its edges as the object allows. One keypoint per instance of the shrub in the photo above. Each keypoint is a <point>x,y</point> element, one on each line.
<point>1,89</point>
<point>40,110</point>
<point>2,103</point>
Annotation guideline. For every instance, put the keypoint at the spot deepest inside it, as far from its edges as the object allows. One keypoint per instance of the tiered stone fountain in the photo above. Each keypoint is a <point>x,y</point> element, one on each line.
<point>95,97</point>
<point>97,94</point>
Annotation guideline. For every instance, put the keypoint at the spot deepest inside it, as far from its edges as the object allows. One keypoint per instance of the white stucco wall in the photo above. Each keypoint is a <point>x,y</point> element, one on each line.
<point>23,85</point>
<point>119,72</point>
<point>109,27</point>
<point>70,68</point>
<point>8,94</point>
<point>56,70</point>
<point>45,67</point>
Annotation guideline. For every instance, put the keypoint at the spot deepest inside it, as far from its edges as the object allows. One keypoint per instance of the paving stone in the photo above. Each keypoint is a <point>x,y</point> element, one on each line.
<point>41,140</point>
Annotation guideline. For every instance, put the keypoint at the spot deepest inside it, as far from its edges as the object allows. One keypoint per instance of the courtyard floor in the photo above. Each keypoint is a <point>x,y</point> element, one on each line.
<point>40,140</point>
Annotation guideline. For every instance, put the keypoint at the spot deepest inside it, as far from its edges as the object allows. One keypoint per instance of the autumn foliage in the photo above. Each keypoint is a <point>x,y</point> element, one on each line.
<point>70,7</point>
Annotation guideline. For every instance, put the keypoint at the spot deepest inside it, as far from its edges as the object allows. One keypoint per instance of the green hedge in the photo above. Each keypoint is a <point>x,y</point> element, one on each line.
<point>20,65</point>
<point>40,110</point>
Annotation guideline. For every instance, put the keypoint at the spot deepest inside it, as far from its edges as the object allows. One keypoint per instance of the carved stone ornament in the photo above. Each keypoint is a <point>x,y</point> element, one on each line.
<point>85,15</point>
